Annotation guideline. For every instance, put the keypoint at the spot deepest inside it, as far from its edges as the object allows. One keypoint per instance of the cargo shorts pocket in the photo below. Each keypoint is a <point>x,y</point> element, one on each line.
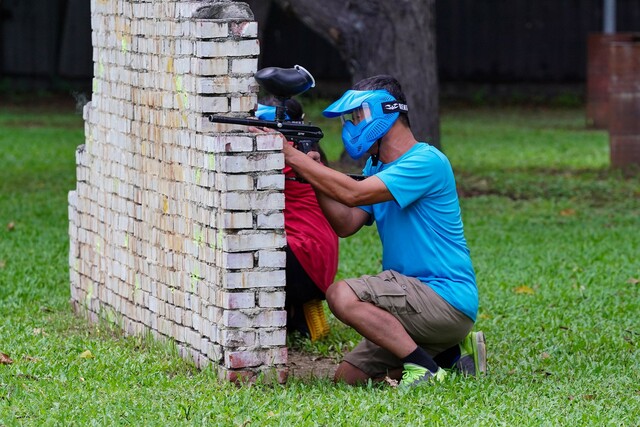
<point>396,298</point>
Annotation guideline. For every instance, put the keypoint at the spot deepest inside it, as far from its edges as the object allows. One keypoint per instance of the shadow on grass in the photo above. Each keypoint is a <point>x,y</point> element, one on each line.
<point>596,186</point>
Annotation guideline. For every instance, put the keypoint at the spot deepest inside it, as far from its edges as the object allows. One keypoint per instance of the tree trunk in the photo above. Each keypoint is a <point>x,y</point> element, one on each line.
<point>384,37</point>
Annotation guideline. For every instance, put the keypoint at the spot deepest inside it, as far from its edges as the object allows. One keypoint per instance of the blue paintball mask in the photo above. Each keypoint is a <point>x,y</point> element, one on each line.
<point>267,112</point>
<point>373,112</point>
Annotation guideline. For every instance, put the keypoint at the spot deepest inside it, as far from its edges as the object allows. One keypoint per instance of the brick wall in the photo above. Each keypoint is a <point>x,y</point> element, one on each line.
<point>176,223</point>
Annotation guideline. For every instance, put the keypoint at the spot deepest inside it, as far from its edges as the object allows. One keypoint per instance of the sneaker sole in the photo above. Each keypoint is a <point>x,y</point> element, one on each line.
<point>480,353</point>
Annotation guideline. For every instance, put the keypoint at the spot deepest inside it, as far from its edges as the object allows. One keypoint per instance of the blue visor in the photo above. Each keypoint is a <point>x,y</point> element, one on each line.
<point>353,99</point>
<point>268,112</point>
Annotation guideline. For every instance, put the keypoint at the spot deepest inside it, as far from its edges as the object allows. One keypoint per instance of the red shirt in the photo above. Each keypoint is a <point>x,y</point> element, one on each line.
<point>309,234</point>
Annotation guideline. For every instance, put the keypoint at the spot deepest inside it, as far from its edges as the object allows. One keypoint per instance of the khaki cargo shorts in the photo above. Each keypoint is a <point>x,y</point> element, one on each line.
<point>432,323</point>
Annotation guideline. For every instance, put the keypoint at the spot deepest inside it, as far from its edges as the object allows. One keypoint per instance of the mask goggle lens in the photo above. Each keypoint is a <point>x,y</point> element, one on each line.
<point>362,114</point>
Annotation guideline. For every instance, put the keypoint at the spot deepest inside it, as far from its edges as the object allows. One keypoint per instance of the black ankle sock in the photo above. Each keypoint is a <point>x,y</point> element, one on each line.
<point>420,357</point>
<point>447,358</point>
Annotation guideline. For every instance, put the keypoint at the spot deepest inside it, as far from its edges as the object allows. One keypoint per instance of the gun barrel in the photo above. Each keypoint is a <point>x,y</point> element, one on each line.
<point>235,120</point>
<point>287,128</point>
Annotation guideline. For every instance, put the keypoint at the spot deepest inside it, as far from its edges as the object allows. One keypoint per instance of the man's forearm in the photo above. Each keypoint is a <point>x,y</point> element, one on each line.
<point>326,181</point>
<point>340,217</point>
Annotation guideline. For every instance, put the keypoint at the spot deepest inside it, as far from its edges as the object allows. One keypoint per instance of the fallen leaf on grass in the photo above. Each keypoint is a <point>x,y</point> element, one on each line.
<point>391,382</point>
<point>2,263</point>
<point>5,359</point>
<point>567,212</point>
<point>585,397</point>
<point>31,358</point>
<point>11,226</point>
<point>524,289</point>
<point>485,316</point>
<point>86,355</point>
<point>633,281</point>
<point>545,355</point>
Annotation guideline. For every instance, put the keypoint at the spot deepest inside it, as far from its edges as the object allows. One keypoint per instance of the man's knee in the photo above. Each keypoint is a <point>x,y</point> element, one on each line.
<point>349,374</point>
<point>331,291</point>
<point>339,296</point>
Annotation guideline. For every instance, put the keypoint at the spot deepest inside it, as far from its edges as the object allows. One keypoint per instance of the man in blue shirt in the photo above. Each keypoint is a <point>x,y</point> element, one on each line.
<point>415,316</point>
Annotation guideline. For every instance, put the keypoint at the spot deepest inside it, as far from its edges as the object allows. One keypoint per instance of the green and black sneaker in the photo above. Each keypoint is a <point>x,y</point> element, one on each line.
<point>414,375</point>
<point>473,355</point>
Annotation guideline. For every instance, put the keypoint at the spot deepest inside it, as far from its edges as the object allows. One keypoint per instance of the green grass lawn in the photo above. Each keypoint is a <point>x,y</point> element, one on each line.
<point>555,240</point>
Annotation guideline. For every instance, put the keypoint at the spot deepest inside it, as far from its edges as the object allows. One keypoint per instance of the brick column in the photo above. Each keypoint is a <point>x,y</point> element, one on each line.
<point>176,224</point>
<point>624,104</point>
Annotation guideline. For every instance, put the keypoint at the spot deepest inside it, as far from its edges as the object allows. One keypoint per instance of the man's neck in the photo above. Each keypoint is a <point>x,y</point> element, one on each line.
<point>395,143</point>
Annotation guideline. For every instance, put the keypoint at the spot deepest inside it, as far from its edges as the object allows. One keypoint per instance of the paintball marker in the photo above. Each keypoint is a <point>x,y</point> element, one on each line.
<point>282,83</point>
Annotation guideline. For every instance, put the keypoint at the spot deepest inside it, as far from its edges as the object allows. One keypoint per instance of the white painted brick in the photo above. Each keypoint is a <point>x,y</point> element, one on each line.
<point>269,142</point>
<point>225,84</point>
<point>245,29</point>
<point>275,337</point>
<point>209,66</point>
<point>182,65</point>
<point>206,29</point>
<point>226,182</point>
<point>271,299</point>
<point>236,201</point>
<point>227,143</point>
<point>254,318</point>
<point>244,103</point>
<point>237,338</point>
<point>270,220</point>
<point>235,261</point>
<point>185,47</point>
<point>237,220</point>
<point>211,104</point>
<point>196,321</point>
<point>267,200</point>
<point>270,182</point>
<point>272,259</point>
<point>215,49</point>
<point>256,163</point>
<point>244,65</point>
<point>237,300</point>
<point>243,242</point>
<point>254,279</point>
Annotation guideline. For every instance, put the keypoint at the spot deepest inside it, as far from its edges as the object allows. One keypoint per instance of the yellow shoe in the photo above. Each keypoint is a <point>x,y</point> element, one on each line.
<point>316,319</point>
